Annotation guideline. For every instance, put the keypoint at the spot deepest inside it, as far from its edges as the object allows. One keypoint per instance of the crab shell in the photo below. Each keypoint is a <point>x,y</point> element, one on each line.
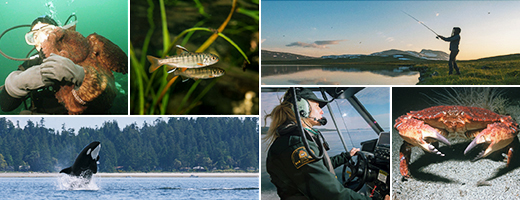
<point>420,128</point>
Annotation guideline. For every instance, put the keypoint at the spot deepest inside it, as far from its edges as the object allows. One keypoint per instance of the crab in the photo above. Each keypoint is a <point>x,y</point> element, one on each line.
<point>424,127</point>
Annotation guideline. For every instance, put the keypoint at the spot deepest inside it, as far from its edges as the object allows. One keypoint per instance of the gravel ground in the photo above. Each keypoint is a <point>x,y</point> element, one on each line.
<point>454,176</point>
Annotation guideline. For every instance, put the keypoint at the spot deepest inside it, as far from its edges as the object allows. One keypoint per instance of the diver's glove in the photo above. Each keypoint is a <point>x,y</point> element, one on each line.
<point>59,68</point>
<point>19,83</point>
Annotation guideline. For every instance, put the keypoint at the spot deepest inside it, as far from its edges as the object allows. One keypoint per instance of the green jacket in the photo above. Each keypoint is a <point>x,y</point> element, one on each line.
<point>297,175</point>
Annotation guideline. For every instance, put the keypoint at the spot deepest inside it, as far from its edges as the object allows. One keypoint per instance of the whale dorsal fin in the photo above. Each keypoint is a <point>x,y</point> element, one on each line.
<point>67,170</point>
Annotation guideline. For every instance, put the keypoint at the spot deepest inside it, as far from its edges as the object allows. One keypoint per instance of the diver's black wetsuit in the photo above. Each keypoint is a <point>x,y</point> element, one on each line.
<point>43,101</point>
<point>9,103</point>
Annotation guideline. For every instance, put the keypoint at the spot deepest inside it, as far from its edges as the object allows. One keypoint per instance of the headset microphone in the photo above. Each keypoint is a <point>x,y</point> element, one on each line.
<point>322,121</point>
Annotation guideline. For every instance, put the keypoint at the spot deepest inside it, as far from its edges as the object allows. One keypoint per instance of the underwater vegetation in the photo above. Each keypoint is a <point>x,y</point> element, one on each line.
<point>225,28</point>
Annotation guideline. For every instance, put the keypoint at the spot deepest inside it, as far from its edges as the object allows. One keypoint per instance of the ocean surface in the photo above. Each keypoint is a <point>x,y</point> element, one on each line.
<point>131,188</point>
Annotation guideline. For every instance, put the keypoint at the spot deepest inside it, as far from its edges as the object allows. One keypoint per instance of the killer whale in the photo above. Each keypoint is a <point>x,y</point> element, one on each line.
<point>86,162</point>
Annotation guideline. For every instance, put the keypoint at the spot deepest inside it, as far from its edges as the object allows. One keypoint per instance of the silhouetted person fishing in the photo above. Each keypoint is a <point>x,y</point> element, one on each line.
<point>454,48</point>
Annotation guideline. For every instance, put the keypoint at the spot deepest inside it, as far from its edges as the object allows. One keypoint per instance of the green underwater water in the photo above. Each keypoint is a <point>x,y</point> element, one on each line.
<point>106,18</point>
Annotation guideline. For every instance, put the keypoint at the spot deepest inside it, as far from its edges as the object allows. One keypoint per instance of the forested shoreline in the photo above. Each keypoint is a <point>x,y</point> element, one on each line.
<point>174,145</point>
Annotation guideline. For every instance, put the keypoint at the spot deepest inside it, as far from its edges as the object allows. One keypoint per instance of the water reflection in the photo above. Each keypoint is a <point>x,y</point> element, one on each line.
<point>325,75</point>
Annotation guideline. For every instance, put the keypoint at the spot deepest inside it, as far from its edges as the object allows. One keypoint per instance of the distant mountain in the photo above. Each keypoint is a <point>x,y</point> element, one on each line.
<point>279,56</point>
<point>424,54</point>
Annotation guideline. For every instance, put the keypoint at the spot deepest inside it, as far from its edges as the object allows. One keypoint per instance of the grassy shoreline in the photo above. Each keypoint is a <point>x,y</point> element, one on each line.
<point>135,175</point>
<point>473,73</point>
<point>499,70</point>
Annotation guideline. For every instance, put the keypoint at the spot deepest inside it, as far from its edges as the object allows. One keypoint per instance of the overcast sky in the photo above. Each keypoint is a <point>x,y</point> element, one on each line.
<point>317,28</point>
<point>77,122</point>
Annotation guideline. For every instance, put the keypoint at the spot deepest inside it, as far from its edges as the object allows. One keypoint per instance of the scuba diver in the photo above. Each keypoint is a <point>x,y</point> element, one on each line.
<point>454,48</point>
<point>38,77</point>
<point>295,173</point>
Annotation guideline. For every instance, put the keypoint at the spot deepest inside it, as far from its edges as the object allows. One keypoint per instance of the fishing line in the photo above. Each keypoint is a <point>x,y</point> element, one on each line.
<point>420,22</point>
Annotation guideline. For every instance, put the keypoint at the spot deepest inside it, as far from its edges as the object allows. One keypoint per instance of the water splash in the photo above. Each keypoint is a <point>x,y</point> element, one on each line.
<point>67,182</point>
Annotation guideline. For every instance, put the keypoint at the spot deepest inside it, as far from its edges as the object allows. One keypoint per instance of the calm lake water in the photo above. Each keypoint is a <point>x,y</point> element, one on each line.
<point>133,188</point>
<point>325,75</point>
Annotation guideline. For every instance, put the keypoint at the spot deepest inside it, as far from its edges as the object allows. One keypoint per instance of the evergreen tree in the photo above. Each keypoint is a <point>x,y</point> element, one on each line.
<point>171,145</point>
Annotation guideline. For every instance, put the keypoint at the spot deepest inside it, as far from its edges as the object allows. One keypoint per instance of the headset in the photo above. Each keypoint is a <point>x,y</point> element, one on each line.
<point>303,106</point>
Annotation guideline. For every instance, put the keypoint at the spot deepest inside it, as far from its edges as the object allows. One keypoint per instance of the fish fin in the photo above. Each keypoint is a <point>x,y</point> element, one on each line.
<point>184,79</point>
<point>200,64</point>
<point>67,170</point>
<point>155,63</point>
<point>172,70</point>
<point>171,76</point>
<point>184,50</point>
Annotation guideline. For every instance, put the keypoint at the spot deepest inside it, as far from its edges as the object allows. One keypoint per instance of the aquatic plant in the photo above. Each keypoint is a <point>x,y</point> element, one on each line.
<point>484,97</point>
<point>152,93</point>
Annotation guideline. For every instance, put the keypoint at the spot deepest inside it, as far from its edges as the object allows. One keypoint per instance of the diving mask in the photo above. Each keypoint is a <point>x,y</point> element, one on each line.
<point>39,34</point>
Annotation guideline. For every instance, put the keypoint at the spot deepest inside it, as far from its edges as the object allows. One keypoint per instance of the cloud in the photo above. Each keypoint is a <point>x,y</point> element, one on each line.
<point>389,39</point>
<point>317,44</point>
<point>327,42</point>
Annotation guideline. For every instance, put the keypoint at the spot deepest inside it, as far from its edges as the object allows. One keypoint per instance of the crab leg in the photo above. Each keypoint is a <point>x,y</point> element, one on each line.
<point>499,135</point>
<point>509,156</point>
<point>404,159</point>
<point>417,133</point>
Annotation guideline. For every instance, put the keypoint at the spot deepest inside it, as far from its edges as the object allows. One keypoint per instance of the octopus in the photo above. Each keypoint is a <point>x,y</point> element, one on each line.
<point>99,57</point>
<point>434,124</point>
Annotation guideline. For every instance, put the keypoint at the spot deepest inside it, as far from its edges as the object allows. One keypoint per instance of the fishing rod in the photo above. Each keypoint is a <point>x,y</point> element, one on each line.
<point>420,22</point>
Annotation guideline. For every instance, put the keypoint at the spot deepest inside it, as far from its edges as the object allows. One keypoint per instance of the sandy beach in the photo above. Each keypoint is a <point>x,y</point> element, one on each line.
<point>453,176</point>
<point>135,175</point>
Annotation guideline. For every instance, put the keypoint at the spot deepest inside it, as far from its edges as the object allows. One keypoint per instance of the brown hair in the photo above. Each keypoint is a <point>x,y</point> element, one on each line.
<point>279,115</point>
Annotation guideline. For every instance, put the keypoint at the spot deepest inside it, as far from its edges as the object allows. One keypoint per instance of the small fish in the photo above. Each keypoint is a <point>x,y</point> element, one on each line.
<point>197,73</point>
<point>185,59</point>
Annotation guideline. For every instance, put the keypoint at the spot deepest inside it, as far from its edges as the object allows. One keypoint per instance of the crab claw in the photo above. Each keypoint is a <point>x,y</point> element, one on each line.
<point>417,133</point>
<point>498,135</point>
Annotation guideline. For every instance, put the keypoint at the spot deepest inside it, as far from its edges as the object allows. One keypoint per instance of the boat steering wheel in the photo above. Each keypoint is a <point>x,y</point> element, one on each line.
<point>358,169</point>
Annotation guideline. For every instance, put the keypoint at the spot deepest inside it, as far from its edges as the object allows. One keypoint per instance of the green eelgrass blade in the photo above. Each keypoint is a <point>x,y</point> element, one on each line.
<point>166,34</point>
<point>137,73</point>
<point>187,96</point>
<point>203,29</point>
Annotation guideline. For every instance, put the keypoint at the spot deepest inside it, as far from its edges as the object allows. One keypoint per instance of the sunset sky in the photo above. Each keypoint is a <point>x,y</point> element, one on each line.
<point>317,28</point>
